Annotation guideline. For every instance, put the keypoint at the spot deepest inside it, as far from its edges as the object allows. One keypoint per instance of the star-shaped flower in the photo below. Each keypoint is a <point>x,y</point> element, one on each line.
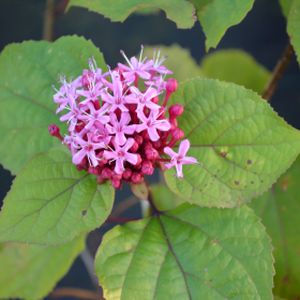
<point>152,123</point>
<point>120,155</point>
<point>179,159</point>
<point>120,128</point>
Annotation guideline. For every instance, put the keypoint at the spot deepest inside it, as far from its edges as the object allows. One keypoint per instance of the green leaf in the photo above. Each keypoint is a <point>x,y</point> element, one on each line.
<point>179,61</point>
<point>279,209</point>
<point>216,16</point>
<point>163,198</point>
<point>31,271</point>
<point>27,74</point>
<point>241,143</point>
<point>294,25</point>
<point>285,6</point>
<point>51,202</point>
<point>188,253</point>
<point>119,10</point>
<point>236,66</point>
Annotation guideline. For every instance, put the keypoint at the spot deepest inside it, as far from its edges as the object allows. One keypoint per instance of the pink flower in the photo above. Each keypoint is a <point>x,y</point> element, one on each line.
<point>135,67</point>
<point>117,99</point>
<point>179,159</point>
<point>120,155</point>
<point>152,123</point>
<point>95,116</point>
<point>157,64</point>
<point>72,116</point>
<point>120,128</point>
<point>87,148</point>
<point>66,94</point>
<point>92,93</point>
<point>143,99</point>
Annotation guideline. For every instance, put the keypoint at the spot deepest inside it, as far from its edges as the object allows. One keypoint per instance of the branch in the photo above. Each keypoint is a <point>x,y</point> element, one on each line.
<point>88,262</point>
<point>278,71</point>
<point>49,20</point>
<point>75,293</point>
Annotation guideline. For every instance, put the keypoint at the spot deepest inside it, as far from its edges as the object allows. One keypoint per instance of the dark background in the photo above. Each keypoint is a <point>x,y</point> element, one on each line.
<point>262,33</point>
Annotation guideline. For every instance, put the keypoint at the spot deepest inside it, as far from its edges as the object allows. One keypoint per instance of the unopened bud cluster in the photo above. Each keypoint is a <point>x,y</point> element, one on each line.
<point>119,126</point>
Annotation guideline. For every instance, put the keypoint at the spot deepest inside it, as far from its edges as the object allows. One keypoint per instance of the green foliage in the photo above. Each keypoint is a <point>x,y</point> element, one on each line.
<point>119,10</point>
<point>236,66</point>
<point>188,253</point>
<point>216,16</point>
<point>31,271</point>
<point>285,6</point>
<point>51,202</point>
<point>27,74</point>
<point>240,142</point>
<point>163,198</point>
<point>279,209</point>
<point>294,25</point>
<point>179,61</point>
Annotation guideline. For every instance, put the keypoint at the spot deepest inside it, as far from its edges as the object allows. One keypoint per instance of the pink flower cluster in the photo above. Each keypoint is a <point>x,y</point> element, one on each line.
<point>117,128</point>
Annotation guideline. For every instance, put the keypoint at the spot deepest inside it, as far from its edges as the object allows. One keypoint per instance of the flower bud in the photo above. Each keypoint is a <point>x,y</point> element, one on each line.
<point>177,134</point>
<point>127,174</point>
<point>134,148</point>
<point>106,173</point>
<point>55,131</point>
<point>151,153</point>
<point>116,183</point>
<point>147,168</point>
<point>137,178</point>
<point>171,85</point>
<point>176,110</point>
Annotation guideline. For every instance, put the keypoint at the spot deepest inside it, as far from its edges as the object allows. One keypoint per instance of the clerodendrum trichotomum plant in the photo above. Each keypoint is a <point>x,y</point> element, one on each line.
<point>192,147</point>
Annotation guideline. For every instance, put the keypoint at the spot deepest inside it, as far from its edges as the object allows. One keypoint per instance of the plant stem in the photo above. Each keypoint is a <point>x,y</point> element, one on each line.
<point>49,15</point>
<point>75,293</point>
<point>120,219</point>
<point>278,72</point>
<point>88,262</point>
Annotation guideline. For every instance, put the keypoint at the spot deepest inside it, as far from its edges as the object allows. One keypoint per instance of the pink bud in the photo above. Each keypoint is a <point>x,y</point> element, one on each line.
<point>147,168</point>
<point>127,174</point>
<point>177,134</point>
<point>93,170</point>
<point>157,144</point>
<point>171,85</point>
<point>155,100</point>
<point>176,110</point>
<point>134,147</point>
<point>137,178</point>
<point>106,173</point>
<point>116,183</point>
<point>55,131</point>
<point>139,139</point>
<point>151,153</point>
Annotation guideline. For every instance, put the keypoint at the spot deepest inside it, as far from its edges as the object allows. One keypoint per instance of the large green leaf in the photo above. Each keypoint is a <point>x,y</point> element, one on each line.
<point>241,143</point>
<point>285,6</point>
<point>51,202</point>
<point>31,271</point>
<point>179,61</point>
<point>236,66</point>
<point>180,11</point>
<point>279,209</point>
<point>294,25</point>
<point>188,253</point>
<point>216,16</point>
<point>27,74</point>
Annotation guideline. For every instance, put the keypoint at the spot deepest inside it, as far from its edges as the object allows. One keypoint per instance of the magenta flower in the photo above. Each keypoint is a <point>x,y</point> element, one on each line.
<point>95,116</point>
<point>73,116</point>
<point>120,155</point>
<point>180,158</point>
<point>152,123</point>
<point>117,99</point>
<point>87,149</point>
<point>120,128</point>
<point>158,66</point>
<point>135,67</point>
<point>143,99</point>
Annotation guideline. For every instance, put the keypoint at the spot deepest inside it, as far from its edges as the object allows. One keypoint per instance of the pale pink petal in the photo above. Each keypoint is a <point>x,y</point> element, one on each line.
<point>154,136</point>
<point>140,127</point>
<point>120,138</point>
<point>184,147</point>
<point>119,168</point>
<point>125,118</point>
<point>130,129</point>
<point>163,125</point>
<point>179,170</point>
<point>170,152</point>
<point>129,144</point>
<point>132,158</point>
<point>78,157</point>
<point>109,155</point>
<point>169,165</point>
<point>188,160</point>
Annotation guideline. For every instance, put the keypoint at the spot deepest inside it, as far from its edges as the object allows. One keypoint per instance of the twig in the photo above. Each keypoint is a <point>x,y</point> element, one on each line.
<point>124,205</point>
<point>278,72</point>
<point>75,293</point>
<point>88,262</point>
<point>49,20</point>
<point>120,219</point>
